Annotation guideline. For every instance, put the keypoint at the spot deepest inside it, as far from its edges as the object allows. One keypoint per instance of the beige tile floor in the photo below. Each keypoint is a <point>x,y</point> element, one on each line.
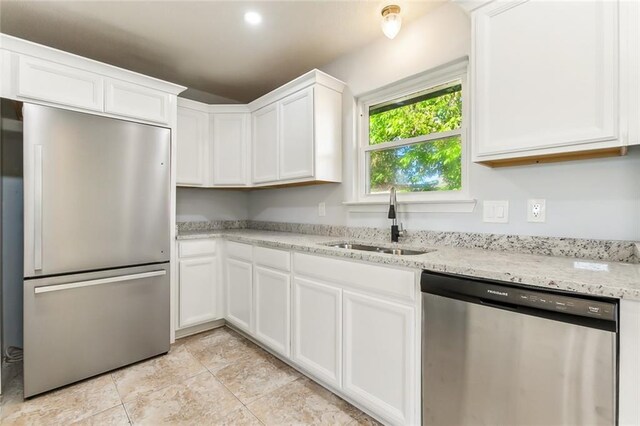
<point>213,378</point>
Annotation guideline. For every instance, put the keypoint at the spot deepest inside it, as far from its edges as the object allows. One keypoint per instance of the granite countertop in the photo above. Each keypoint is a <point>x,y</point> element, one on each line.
<point>611,279</point>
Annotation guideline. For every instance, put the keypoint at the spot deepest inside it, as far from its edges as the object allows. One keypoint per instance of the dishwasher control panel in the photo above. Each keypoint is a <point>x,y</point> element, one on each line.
<point>550,302</point>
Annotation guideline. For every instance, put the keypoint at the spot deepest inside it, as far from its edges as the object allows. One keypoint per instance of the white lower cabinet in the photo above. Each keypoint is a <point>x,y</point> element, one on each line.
<point>317,329</point>
<point>379,356</point>
<point>198,291</point>
<point>272,295</point>
<point>199,284</point>
<point>239,289</point>
<point>349,325</point>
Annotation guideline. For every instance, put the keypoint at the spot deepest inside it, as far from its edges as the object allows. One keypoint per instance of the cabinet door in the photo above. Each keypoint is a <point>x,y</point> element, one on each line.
<point>47,81</point>
<point>379,356</point>
<point>630,67</point>
<point>265,144</point>
<point>317,329</point>
<point>198,291</point>
<point>526,96</point>
<point>272,308</point>
<point>191,136</point>
<point>239,285</point>
<point>135,101</point>
<point>230,139</point>
<point>296,135</point>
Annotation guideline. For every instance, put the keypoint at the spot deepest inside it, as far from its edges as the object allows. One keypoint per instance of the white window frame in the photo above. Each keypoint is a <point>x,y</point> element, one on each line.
<point>455,71</point>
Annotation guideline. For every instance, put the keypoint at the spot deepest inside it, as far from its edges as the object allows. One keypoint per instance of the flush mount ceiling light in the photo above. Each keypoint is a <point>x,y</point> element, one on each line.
<point>391,20</point>
<point>252,18</point>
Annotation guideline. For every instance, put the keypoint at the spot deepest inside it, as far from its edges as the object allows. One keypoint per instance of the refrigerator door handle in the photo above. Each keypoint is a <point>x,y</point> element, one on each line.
<point>37,208</point>
<point>80,284</point>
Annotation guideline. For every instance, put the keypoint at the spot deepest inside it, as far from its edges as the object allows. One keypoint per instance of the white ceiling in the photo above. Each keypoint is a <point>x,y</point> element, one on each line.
<point>206,45</point>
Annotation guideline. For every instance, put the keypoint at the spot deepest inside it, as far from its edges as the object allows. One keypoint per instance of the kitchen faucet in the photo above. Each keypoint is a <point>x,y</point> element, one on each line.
<point>396,231</point>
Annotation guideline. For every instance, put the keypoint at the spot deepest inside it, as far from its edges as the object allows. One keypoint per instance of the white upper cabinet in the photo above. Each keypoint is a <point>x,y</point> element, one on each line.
<point>59,84</point>
<point>135,101</point>
<point>213,145</point>
<point>630,68</point>
<point>265,144</point>
<point>192,144</point>
<point>42,75</point>
<point>296,144</point>
<point>291,135</point>
<point>297,132</point>
<point>230,141</point>
<point>545,78</point>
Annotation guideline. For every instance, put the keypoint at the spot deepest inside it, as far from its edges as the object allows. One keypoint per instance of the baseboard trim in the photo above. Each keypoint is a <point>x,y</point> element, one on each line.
<point>307,374</point>
<point>189,331</point>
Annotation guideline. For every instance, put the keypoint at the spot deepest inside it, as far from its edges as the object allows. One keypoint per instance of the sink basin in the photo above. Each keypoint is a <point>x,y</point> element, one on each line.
<point>376,249</point>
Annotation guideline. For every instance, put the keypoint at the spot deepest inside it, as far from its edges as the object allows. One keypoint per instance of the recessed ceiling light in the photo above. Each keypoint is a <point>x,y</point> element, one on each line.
<point>252,18</point>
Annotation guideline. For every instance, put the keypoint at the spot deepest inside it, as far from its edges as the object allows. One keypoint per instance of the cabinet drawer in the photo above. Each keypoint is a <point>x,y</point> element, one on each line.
<point>135,101</point>
<point>277,259</point>
<point>239,250</point>
<point>48,81</point>
<point>388,281</point>
<point>196,248</point>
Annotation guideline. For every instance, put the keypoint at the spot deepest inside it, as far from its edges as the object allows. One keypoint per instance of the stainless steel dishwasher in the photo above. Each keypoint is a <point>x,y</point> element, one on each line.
<point>494,353</point>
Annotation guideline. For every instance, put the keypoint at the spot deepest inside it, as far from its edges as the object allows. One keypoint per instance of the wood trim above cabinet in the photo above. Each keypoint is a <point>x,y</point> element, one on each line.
<point>558,157</point>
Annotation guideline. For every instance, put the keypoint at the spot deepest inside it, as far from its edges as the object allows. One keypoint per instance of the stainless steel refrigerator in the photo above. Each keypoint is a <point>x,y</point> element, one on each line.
<point>96,245</point>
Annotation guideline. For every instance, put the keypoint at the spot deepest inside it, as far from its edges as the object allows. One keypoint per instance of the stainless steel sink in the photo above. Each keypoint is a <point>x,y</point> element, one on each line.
<point>377,249</point>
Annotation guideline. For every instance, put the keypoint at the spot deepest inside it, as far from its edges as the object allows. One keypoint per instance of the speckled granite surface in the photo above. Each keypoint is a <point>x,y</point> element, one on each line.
<point>211,226</point>
<point>612,279</point>
<point>611,251</point>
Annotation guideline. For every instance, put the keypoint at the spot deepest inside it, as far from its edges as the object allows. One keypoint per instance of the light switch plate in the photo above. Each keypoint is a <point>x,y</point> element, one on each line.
<point>322,209</point>
<point>495,211</point>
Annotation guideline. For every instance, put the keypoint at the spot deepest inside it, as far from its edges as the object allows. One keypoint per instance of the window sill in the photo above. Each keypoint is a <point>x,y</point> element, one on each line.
<point>431,206</point>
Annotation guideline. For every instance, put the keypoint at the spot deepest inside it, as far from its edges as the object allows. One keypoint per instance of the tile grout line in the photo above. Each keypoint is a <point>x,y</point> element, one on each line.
<point>213,375</point>
<point>127,413</point>
<point>230,363</point>
<point>124,407</point>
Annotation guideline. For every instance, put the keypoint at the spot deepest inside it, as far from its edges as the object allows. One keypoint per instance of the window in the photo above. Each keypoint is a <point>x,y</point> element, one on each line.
<point>412,138</point>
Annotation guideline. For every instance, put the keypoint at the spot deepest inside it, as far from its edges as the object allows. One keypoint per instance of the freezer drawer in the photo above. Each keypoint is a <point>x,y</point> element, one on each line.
<point>77,326</point>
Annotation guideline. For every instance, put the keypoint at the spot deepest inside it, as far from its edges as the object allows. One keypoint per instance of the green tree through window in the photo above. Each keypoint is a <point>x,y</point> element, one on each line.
<point>433,165</point>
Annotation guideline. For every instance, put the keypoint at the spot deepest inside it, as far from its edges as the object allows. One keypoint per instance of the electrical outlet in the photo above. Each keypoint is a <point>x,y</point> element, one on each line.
<point>322,209</point>
<point>536,210</point>
<point>495,211</point>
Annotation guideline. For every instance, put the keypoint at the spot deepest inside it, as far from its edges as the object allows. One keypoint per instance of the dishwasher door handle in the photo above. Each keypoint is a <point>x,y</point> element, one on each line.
<point>89,283</point>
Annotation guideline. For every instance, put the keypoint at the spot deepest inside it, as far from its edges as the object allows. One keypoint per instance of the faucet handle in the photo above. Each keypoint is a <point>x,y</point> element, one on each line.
<point>401,231</point>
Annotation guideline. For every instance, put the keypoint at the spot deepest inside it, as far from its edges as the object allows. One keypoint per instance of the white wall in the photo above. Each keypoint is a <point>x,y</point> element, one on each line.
<point>196,204</point>
<point>207,98</point>
<point>585,199</point>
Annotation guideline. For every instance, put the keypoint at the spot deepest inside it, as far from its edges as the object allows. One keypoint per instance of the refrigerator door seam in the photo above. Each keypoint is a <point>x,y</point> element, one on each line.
<point>79,284</point>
